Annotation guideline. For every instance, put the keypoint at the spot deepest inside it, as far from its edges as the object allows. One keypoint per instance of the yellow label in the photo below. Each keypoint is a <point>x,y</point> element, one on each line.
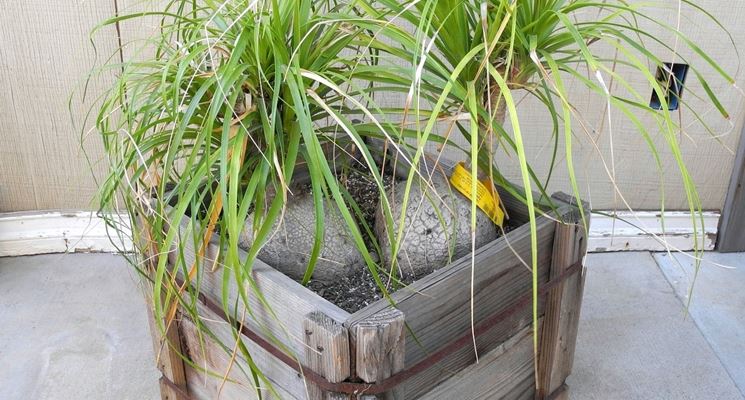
<point>487,199</point>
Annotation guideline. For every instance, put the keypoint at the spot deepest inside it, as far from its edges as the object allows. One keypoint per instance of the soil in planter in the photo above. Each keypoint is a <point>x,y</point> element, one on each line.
<point>358,289</point>
<point>355,291</point>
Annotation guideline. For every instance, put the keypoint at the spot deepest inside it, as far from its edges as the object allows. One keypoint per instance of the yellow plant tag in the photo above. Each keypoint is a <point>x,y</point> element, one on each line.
<point>487,199</point>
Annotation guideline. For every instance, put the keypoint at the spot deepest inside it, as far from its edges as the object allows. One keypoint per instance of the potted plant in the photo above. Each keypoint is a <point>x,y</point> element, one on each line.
<point>246,148</point>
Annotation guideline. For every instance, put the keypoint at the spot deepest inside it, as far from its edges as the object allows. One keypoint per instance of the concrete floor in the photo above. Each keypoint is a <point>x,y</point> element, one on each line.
<point>636,342</point>
<point>74,327</point>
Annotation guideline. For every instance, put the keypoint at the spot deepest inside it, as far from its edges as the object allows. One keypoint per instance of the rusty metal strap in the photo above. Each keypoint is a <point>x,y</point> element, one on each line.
<point>178,390</point>
<point>396,379</point>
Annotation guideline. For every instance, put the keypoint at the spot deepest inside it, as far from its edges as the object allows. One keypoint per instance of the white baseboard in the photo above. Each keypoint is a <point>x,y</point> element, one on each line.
<point>644,232</point>
<point>41,232</point>
<point>27,233</point>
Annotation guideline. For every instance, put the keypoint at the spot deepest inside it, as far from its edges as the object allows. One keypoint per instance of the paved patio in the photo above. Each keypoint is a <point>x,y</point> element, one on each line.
<point>74,327</point>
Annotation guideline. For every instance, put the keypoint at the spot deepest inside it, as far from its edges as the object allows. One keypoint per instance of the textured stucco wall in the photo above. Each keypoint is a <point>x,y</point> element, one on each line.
<point>709,159</point>
<point>45,53</point>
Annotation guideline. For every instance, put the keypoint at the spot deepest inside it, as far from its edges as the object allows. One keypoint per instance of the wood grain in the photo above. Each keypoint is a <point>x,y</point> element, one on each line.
<point>571,241</point>
<point>279,316</point>
<point>563,257</point>
<point>326,353</point>
<point>570,309</point>
<point>284,379</point>
<point>506,372</point>
<point>437,307</point>
<point>212,362</point>
<point>167,348</point>
<point>380,349</point>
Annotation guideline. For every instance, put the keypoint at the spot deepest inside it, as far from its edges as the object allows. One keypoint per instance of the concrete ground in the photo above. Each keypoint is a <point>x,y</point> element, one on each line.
<point>636,342</point>
<point>74,327</point>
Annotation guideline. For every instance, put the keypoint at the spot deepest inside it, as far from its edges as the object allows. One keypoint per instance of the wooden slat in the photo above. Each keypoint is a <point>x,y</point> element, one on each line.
<point>167,349</point>
<point>327,353</point>
<point>504,373</point>
<point>168,391</point>
<point>571,306</point>
<point>212,363</point>
<point>380,349</point>
<point>563,257</point>
<point>571,241</point>
<point>288,301</point>
<point>437,307</point>
<point>284,379</point>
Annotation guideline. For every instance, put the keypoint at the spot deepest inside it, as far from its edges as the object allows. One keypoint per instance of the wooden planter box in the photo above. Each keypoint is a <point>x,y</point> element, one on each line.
<point>423,344</point>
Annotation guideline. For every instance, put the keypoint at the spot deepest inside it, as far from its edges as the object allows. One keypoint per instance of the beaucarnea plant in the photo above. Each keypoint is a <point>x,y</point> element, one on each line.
<point>464,62</point>
<point>214,123</point>
<point>237,95</point>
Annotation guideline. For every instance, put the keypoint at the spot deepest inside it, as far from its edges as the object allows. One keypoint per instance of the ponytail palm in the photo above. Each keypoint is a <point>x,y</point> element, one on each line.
<point>238,95</point>
<point>214,125</point>
<point>469,59</point>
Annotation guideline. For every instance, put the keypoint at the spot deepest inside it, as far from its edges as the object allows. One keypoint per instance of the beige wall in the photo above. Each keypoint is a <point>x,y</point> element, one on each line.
<point>45,53</point>
<point>709,161</point>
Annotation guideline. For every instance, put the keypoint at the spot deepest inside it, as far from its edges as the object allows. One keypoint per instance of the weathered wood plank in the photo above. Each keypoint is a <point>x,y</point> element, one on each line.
<point>438,310</point>
<point>284,379</point>
<point>327,353</point>
<point>380,349</point>
<point>505,372</point>
<point>168,391</point>
<point>167,348</point>
<point>571,243</point>
<point>211,364</point>
<point>279,315</point>
<point>560,394</point>
<point>571,306</point>
<point>563,257</point>
<point>214,361</point>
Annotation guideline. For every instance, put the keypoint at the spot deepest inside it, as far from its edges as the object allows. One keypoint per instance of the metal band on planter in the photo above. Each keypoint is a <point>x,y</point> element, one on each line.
<point>398,378</point>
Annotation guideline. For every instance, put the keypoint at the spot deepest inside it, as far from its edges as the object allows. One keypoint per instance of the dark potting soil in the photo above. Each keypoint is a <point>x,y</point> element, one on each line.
<point>358,289</point>
<point>355,291</point>
<point>365,192</point>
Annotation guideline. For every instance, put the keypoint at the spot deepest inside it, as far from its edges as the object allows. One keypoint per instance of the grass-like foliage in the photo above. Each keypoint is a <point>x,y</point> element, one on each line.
<point>470,57</point>
<point>231,99</point>
<point>213,126</point>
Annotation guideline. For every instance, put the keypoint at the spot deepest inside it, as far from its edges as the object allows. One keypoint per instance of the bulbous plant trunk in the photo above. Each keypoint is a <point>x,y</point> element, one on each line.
<point>291,242</point>
<point>495,104</point>
<point>436,227</point>
<point>437,221</point>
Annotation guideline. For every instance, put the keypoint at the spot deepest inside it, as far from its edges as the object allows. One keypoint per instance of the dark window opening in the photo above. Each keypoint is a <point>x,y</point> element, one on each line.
<point>671,78</point>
